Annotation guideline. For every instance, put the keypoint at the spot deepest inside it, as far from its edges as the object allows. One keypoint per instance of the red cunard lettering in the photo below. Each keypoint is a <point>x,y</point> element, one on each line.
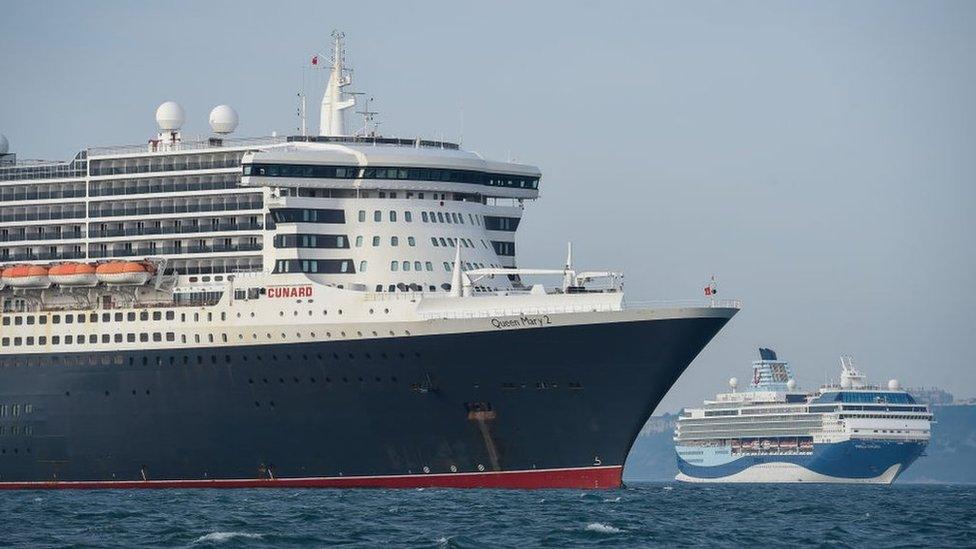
<point>290,291</point>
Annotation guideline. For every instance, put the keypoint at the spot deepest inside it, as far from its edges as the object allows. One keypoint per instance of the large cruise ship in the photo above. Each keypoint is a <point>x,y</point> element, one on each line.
<point>847,433</point>
<point>332,310</point>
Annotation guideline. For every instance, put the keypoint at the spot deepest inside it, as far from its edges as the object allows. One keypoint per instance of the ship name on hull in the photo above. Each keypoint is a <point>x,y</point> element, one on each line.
<point>290,291</point>
<point>523,321</point>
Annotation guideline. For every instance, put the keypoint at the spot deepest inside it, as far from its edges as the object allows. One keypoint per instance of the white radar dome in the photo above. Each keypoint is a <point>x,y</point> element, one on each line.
<point>170,116</point>
<point>4,144</point>
<point>733,382</point>
<point>893,385</point>
<point>791,384</point>
<point>223,119</point>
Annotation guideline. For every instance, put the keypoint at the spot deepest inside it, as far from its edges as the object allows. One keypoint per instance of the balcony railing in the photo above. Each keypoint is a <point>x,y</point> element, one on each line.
<point>185,229</point>
<point>103,189</point>
<point>42,216</point>
<point>171,250</point>
<point>42,256</point>
<point>45,236</point>
<point>35,194</point>
<point>118,211</point>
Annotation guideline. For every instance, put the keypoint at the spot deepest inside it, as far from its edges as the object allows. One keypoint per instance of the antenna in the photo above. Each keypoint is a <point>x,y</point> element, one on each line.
<point>301,113</point>
<point>461,131</point>
<point>369,116</point>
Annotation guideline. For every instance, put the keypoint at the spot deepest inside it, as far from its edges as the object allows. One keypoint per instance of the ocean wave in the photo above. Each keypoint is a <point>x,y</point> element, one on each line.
<point>612,500</point>
<point>602,528</point>
<point>221,537</point>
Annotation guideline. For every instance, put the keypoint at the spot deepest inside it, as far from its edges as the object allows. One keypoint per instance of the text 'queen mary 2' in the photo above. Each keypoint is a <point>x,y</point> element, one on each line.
<point>341,310</point>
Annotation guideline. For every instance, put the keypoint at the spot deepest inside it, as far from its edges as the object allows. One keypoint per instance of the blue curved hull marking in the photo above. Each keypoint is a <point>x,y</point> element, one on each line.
<point>854,459</point>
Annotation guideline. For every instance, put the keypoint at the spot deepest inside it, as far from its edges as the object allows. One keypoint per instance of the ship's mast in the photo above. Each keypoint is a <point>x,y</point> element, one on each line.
<point>336,101</point>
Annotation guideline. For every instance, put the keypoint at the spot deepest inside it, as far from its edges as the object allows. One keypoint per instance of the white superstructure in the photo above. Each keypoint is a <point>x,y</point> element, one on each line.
<point>334,228</point>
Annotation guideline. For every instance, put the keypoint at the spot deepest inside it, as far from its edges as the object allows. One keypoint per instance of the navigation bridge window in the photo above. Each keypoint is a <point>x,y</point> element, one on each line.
<point>296,170</point>
<point>413,174</point>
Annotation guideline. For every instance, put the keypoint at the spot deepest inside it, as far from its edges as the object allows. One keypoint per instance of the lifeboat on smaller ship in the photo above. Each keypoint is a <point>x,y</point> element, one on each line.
<point>26,276</point>
<point>125,273</point>
<point>73,274</point>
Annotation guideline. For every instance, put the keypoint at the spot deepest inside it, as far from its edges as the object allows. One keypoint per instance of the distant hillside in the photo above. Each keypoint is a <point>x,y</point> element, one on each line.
<point>652,457</point>
<point>949,458</point>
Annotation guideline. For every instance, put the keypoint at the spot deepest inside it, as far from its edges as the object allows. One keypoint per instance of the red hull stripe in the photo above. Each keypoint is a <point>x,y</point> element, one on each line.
<point>608,476</point>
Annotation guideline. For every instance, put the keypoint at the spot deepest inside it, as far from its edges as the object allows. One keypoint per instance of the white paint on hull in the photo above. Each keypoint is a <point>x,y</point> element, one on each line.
<point>790,473</point>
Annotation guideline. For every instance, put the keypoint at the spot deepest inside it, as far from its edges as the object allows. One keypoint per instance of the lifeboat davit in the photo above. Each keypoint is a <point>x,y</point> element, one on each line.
<point>73,274</point>
<point>125,273</point>
<point>26,276</point>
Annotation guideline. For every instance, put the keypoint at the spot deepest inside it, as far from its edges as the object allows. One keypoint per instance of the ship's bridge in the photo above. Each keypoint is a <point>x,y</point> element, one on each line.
<point>389,166</point>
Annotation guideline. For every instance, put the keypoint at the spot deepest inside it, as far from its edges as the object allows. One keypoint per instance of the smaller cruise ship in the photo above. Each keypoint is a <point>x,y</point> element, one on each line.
<point>850,432</point>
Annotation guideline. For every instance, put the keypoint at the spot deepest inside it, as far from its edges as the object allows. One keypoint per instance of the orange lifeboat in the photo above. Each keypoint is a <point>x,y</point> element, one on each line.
<point>73,274</point>
<point>26,276</point>
<point>125,273</point>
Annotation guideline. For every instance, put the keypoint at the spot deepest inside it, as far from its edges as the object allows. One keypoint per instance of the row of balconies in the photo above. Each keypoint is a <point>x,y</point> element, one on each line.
<point>37,192</point>
<point>22,235</point>
<point>173,250</point>
<point>172,229</point>
<point>43,213</point>
<point>116,188</point>
<point>112,209</point>
<point>165,163</point>
<point>77,231</point>
<point>41,256</point>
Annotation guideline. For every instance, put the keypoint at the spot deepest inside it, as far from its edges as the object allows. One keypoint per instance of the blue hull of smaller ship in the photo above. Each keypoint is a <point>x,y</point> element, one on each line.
<point>853,460</point>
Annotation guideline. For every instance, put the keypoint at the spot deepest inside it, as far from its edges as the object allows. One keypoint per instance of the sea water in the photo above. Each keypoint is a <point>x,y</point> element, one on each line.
<point>669,514</point>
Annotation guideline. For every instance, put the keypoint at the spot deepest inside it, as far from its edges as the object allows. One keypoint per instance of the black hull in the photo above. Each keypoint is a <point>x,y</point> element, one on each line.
<point>541,399</point>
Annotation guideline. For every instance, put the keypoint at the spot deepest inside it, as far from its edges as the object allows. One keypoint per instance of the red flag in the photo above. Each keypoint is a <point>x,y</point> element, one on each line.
<point>315,60</point>
<point>708,290</point>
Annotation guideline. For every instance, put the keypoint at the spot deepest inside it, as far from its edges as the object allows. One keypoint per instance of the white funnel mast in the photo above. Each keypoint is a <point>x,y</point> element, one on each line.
<point>457,276</point>
<point>335,101</point>
<point>569,275</point>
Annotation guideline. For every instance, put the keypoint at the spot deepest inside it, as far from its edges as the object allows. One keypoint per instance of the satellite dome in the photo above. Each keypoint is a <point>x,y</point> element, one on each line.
<point>733,382</point>
<point>223,119</point>
<point>893,385</point>
<point>170,116</point>
<point>791,384</point>
<point>4,144</point>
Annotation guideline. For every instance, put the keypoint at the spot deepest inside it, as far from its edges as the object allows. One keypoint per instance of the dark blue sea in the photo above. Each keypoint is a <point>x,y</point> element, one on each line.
<point>640,515</point>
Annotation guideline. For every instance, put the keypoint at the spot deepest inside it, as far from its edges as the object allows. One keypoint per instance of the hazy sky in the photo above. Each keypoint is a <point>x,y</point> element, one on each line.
<point>818,157</point>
